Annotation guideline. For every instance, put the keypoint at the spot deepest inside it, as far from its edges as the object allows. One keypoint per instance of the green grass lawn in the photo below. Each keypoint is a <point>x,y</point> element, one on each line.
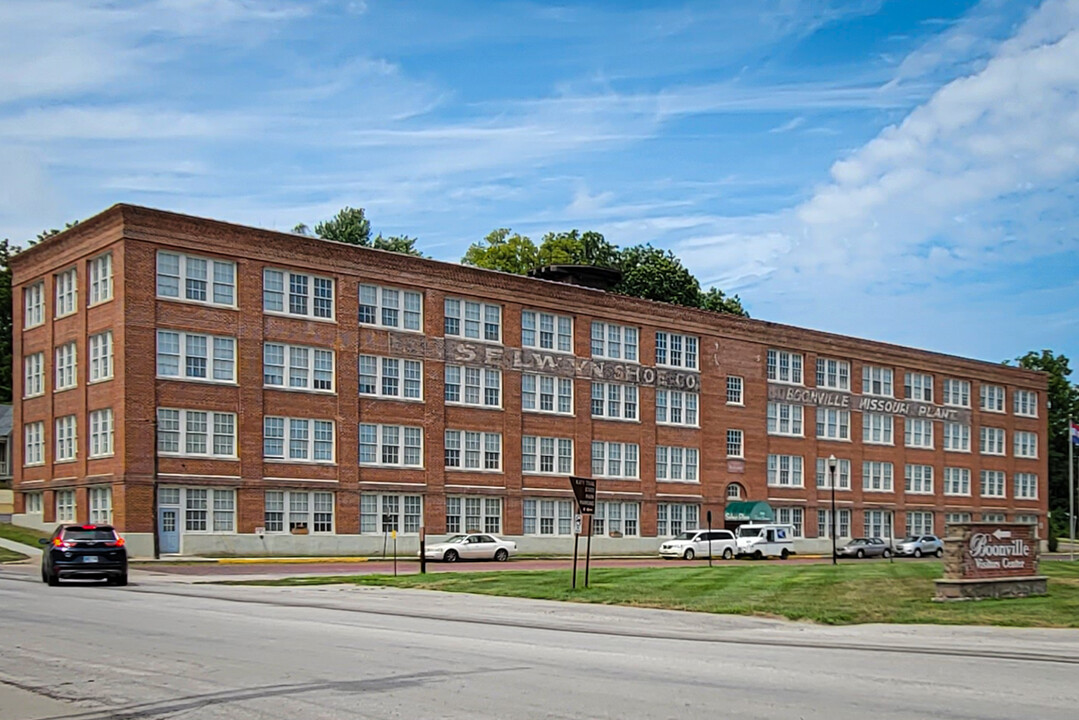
<point>10,555</point>
<point>851,593</point>
<point>26,536</point>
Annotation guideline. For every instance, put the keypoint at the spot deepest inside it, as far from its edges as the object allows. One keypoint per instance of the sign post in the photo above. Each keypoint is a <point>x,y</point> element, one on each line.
<point>584,489</point>
<point>423,550</point>
<point>709,516</point>
<point>576,542</point>
<point>395,553</point>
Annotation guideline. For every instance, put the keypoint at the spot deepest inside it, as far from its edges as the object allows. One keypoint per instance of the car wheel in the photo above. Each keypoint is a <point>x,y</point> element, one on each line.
<point>688,554</point>
<point>44,576</point>
<point>450,556</point>
<point>728,554</point>
<point>917,552</point>
<point>886,554</point>
<point>939,552</point>
<point>52,579</point>
<point>784,554</point>
<point>860,554</point>
<point>758,555</point>
<point>120,580</point>
<point>502,555</point>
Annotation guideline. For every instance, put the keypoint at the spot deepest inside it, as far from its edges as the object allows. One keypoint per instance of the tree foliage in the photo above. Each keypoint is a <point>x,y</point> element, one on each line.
<point>716,301</point>
<point>6,352</point>
<point>576,248</point>
<point>503,250</point>
<point>351,226</point>
<point>655,274</point>
<point>397,243</point>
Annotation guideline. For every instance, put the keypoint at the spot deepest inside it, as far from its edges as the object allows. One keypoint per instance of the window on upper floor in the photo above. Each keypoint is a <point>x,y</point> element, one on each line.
<point>298,439</point>
<point>297,367</point>
<point>1025,403</point>
<point>391,308</point>
<point>100,272</point>
<point>615,460</point>
<point>547,394</point>
<point>991,441</point>
<point>546,331</point>
<point>677,464</point>
<point>785,471</point>
<point>33,374</point>
<point>196,279</point>
<point>66,375</point>
<point>546,455</point>
<point>919,479</point>
<point>784,367</point>
<point>615,342</point>
<point>785,419</point>
<point>877,381</point>
<point>67,283</point>
<point>614,401</point>
<point>391,377</point>
<point>992,397</point>
<point>957,392</point>
<point>298,294</point>
<point>198,433</point>
<point>918,386</point>
<point>674,350</point>
<point>101,356</point>
<point>1025,444</point>
<point>472,320</point>
<point>34,302</point>
<point>391,445</point>
<point>190,356</point>
<point>473,450</point>
<point>676,407</point>
<point>833,374</point>
<point>480,387</point>
<point>734,390</point>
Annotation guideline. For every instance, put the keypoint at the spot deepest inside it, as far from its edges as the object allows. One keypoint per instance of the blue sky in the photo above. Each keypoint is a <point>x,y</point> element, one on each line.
<point>905,171</point>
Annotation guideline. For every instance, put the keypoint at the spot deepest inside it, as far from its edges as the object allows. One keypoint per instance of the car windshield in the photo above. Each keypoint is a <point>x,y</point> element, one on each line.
<point>859,542</point>
<point>909,539</point>
<point>749,532</point>
<point>685,535</point>
<point>80,534</point>
<point>456,538</point>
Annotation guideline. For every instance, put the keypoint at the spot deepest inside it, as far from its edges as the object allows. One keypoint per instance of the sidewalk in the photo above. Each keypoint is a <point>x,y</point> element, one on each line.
<point>31,550</point>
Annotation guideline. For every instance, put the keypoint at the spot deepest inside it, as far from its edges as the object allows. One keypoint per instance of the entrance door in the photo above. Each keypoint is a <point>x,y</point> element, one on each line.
<point>168,530</point>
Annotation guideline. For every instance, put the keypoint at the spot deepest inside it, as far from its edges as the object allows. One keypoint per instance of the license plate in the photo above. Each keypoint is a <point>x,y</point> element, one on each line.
<point>90,558</point>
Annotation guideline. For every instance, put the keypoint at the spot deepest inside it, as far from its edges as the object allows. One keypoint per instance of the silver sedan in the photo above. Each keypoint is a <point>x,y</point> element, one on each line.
<point>865,547</point>
<point>475,546</point>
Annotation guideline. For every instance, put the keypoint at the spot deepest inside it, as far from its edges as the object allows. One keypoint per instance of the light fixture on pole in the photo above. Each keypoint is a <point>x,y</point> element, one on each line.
<point>831,477</point>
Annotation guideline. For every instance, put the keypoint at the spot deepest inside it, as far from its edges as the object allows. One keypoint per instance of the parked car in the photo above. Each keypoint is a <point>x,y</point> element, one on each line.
<point>695,543</point>
<point>475,546</point>
<point>765,540</point>
<point>919,545</point>
<point>87,551</point>
<point>865,547</point>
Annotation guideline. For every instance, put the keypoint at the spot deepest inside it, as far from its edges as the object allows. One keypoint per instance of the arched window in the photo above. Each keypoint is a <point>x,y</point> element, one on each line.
<point>734,491</point>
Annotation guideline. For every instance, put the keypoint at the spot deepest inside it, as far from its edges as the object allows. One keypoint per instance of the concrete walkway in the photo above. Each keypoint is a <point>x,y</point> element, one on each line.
<point>31,550</point>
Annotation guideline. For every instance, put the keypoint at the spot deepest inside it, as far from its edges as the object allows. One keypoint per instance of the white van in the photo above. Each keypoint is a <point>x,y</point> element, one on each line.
<point>696,543</point>
<point>765,540</point>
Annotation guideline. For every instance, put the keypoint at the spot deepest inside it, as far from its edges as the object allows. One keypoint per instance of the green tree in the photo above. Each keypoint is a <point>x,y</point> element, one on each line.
<point>1063,403</point>
<point>501,250</point>
<point>301,229</point>
<point>46,234</point>
<point>716,301</point>
<point>575,248</point>
<point>397,243</point>
<point>350,225</point>
<point>6,251</point>
<point>655,274</point>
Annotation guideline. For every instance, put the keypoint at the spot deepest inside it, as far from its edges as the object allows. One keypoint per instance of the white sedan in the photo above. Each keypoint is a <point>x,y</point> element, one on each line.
<point>478,546</point>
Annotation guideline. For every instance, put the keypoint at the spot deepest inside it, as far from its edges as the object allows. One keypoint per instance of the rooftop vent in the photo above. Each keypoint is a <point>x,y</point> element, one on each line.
<point>592,276</point>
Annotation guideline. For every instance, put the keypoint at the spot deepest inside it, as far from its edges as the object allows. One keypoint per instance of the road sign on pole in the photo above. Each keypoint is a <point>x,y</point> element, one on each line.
<point>585,491</point>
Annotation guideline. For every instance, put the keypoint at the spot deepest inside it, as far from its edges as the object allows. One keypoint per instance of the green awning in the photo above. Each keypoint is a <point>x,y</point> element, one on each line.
<point>749,511</point>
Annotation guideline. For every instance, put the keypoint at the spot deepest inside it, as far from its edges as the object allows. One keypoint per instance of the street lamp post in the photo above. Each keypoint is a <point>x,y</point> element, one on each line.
<point>831,476</point>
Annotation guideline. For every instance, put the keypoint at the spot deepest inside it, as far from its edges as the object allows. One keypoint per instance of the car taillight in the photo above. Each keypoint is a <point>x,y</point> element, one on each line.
<point>119,543</point>
<point>58,542</point>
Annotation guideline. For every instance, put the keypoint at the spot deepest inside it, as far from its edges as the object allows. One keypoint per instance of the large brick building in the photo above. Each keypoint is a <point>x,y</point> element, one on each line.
<point>308,396</point>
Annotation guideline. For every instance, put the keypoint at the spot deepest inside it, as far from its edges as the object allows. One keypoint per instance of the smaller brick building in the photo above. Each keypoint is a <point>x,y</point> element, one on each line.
<point>223,389</point>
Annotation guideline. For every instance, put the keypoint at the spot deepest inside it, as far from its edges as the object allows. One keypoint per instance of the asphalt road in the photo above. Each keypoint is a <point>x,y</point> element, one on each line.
<point>167,648</point>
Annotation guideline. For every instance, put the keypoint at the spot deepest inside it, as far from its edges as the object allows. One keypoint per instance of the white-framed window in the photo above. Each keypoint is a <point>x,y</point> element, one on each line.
<point>298,294</point>
<point>678,464</point>
<point>878,524</point>
<point>297,367</point>
<point>546,331</point>
<point>616,517</point>
<point>735,491</point>
<point>877,429</point>
<point>65,366</point>
<point>1027,519</point>
<point>547,517</point>
<point>956,481</point>
<point>919,523</point>
<point>546,455</point>
<point>65,506</point>
<point>956,437</point>
<point>992,483</point>
<point>1025,403</point>
<point>298,439</point>
<point>735,386</point>
<point>615,460</point>
<point>34,302</point>
<point>833,374</point>
<point>473,514</point>
<point>101,430</point>
<point>785,471</point>
<point>66,440</point>
<point>209,510</point>
<point>735,444</point>
<point>33,503</point>
<point>956,517</point>
<point>991,441</point>
<point>919,479</point>
<point>877,476</point>
<point>391,308</point>
<point>33,374</point>
<point>101,356</point>
<point>196,279</point>
<point>784,419</point>
<point>992,397</point>
<point>833,424</point>
<point>675,518</point>
<point>1026,486</point>
<point>877,381</point>
<point>383,514</point>
<point>824,523</point>
<point>793,516</point>
<point>615,342</point>
<point>100,501</point>
<point>957,392</point>
<point>547,394</point>
<point>614,401</point>
<point>784,367</point>
<point>391,445</point>
<point>918,386</point>
<point>473,450</point>
<point>199,433</point>
<point>842,474</point>
<point>918,433</point>
<point>290,511</point>
<point>188,356</point>
<point>993,517</point>
<point>67,293</point>
<point>479,387</point>
<point>33,443</point>
<point>676,407</point>
<point>391,377</point>
<point>473,320</point>
<point>674,350</point>
<point>1025,444</point>
<point>100,271</point>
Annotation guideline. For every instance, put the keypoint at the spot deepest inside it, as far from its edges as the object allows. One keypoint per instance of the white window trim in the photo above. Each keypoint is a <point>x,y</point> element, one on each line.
<point>310,368</point>
<point>39,444</point>
<point>182,297</point>
<point>791,472</point>
<point>840,414</point>
<point>867,386</point>
<point>791,355</point>
<point>211,358</point>
<point>741,402</point>
<point>107,359</point>
<point>621,459</point>
<point>481,334</point>
<point>946,482</point>
<point>606,328</point>
<point>887,480</point>
<point>563,511</point>
<point>1032,404</point>
<point>686,395</point>
<point>949,383</point>
<point>908,430</point>
<point>944,438</point>
<point>983,484</point>
<point>685,343</point>
<point>379,306</point>
<point>181,520</point>
<point>73,274</point>
<point>380,375</point>
<point>741,443</point>
<point>484,372</point>
<point>1015,486</point>
<point>287,512</point>
<point>461,501</point>
<point>286,441</point>
<point>96,282</point>
<point>462,450</point>
<point>797,413</point>
<point>100,513</point>
<point>30,374</point>
<point>74,427</point>
<point>840,366</point>
<point>997,432</point>
<point>556,382</point>
<point>621,417</point>
<point>65,511</point>
<point>920,384</point>
<point>908,477</point>
<point>380,444</point>
<point>34,305</point>
<point>108,434</point>
<point>209,455</point>
<point>380,529</point>
<point>286,291</point>
<point>683,466</point>
<point>556,335</point>
<point>843,479</point>
<point>57,387</point>
<point>999,391</point>
<point>1017,445</point>
<point>603,510</point>
<point>890,430</point>
<point>538,454</point>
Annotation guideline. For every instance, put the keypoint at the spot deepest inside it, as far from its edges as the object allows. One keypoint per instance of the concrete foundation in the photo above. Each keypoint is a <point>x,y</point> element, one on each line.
<point>991,589</point>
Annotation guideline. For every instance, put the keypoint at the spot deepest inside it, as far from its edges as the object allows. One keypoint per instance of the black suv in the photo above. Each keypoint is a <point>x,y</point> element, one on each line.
<point>90,551</point>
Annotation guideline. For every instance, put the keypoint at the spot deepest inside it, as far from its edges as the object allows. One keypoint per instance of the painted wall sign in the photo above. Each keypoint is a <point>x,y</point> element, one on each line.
<point>866,403</point>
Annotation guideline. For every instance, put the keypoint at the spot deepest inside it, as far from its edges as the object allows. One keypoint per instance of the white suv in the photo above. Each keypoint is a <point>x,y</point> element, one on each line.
<point>695,543</point>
